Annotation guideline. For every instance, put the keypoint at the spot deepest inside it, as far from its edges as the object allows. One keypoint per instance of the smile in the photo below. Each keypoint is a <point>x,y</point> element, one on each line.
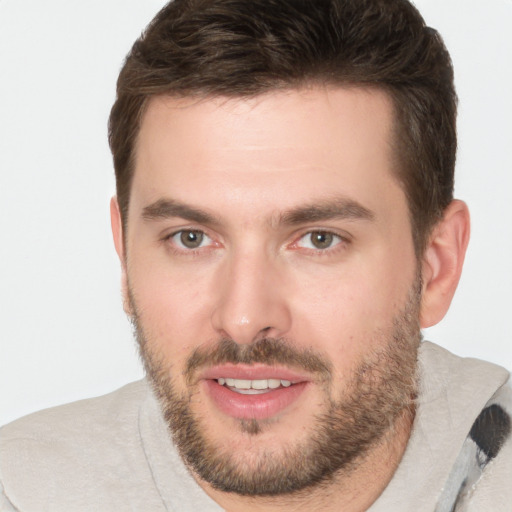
<point>253,391</point>
<point>253,387</point>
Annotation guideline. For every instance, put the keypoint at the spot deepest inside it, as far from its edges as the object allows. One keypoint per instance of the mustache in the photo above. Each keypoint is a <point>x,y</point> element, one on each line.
<point>269,351</point>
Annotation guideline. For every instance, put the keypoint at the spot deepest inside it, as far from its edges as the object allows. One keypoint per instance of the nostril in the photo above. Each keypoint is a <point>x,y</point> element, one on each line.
<point>263,333</point>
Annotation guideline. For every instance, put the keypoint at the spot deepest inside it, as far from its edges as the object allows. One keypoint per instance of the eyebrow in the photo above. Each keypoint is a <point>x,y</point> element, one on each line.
<point>338,208</point>
<point>169,208</point>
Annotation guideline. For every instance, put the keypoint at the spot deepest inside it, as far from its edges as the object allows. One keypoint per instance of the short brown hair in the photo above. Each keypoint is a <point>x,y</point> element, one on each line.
<point>249,47</point>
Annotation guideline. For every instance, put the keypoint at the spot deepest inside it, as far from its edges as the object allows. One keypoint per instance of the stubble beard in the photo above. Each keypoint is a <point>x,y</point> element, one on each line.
<point>382,389</point>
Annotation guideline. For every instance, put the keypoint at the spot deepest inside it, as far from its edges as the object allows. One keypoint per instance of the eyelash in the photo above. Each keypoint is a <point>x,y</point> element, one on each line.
<point>179,248</point>
<point>340,242</point>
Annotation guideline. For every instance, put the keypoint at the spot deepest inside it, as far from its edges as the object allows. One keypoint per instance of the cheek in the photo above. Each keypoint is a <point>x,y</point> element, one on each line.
<point>172,305</point>
<point>340,322</point>
<point>350,313</point>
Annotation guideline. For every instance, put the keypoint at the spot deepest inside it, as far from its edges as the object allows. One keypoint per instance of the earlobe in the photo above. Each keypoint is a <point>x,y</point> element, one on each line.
<point>442,262</point>
<point>117,233</point>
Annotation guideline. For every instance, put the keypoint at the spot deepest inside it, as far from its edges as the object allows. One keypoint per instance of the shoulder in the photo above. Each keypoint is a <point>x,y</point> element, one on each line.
<point>5,504</point>
<point>466,384</point>
<point>492,435</point>
<point>87,444</point>
<point>84,419</point>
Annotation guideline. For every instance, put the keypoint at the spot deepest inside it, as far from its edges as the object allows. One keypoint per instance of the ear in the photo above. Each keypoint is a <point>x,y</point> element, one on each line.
<point>442,262</point>
<point>117,233</point>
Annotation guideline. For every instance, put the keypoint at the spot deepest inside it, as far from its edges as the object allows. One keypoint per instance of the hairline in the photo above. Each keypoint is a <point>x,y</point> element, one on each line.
<point>399,167</point>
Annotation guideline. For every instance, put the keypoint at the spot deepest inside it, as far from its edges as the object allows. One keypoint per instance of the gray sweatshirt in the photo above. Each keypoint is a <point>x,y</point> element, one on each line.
<point>114,453</point>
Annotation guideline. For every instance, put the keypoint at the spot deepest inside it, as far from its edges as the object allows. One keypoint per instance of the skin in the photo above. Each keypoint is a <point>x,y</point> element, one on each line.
<point>249,164</point>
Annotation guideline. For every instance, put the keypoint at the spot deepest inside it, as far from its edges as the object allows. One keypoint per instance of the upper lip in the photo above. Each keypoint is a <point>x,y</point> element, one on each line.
<point>252,372</point>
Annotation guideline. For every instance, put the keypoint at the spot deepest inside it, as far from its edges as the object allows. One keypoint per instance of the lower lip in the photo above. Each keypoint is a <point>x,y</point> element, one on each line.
<point>258,407</point>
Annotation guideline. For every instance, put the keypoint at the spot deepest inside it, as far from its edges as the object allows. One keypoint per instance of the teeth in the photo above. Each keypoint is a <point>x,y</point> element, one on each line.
<point>242,384</point>
<point>274,383</point>
<point>259,384</point>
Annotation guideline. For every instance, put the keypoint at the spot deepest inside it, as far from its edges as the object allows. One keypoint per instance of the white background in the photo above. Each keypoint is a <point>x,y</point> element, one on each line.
<point>63,333</point>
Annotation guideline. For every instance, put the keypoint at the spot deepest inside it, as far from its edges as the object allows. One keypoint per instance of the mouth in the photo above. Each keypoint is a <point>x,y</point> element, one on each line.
<point>253,387</point>
<point>253,392</point>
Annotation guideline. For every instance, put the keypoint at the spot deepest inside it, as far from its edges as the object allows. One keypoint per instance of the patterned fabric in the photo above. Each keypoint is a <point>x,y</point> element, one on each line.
<point>490,431</point>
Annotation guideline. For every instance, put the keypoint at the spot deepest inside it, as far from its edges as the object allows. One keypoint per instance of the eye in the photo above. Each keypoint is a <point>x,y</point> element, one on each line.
<point>319,240</point>
<point>190,239</point>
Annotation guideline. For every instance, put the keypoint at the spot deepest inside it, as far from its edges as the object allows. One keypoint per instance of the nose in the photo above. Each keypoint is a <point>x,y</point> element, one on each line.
<point>251,299</point>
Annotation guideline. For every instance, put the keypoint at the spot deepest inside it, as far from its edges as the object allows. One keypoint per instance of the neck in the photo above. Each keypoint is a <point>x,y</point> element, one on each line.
<point>352,490</point>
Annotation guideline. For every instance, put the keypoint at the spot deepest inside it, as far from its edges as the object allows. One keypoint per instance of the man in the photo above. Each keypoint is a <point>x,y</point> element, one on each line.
<point>286,225</point>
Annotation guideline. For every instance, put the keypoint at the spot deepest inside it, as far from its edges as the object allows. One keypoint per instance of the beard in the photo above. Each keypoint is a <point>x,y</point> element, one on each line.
<point>381,389</point>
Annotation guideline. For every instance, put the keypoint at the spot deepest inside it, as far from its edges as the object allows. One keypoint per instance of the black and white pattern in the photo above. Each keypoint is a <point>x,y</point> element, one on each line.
<point>487,436</point>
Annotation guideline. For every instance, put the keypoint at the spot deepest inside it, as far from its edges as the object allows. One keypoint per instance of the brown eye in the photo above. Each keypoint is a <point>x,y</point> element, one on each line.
<point>319,240</point>
<point>191,239</point>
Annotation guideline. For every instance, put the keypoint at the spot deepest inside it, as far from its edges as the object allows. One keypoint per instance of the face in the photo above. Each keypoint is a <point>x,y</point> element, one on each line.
<point>273,282</point>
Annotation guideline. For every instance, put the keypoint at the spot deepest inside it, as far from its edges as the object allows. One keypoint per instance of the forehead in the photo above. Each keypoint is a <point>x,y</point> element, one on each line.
<point>282,147</point>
